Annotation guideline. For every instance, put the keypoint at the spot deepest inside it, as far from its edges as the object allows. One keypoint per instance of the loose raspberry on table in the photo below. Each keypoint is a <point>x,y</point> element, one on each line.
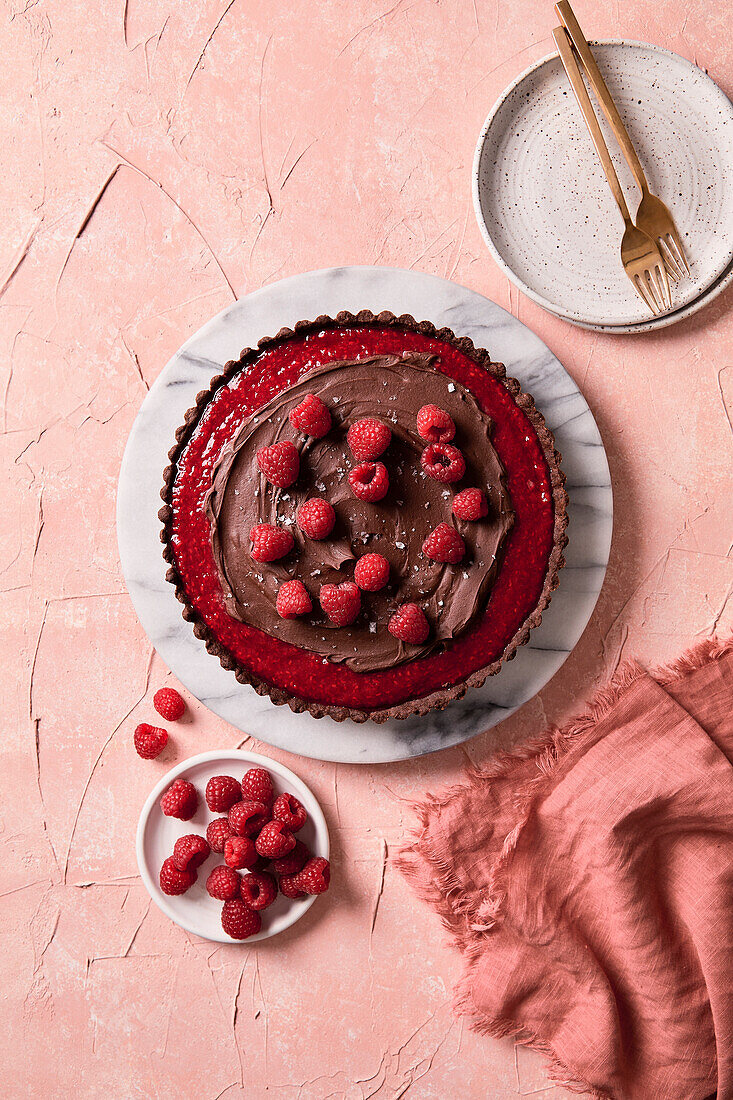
<point>169,704</point>
<point>223,883</point>
<point>280,463</point>
<point>443,462</point>
<point>257,786</point>
<point>470,504</point>
<point>315,876</point>
<point>190,851</point>
<point>217,833</point>
<point>409,624</point>
<point>341,602</point>
<point>149,741</point>
<point>258,890</point>
<point>288,809</point>
<point>180,800</point>
<point>288,887</point>
<point>311,417</point>
<point>270,542</point>
<point>293,600</point>
<point>371,572</point>
<point>222,791</point>
<point>368,439</point>
<point>369,481</point>
<point>247,818</point>
<point>239,921</point>
<point>316,518</point>
<point>240,851</point>
<point>435,425</point>
<point>293,861</point>
<point>275,840</point>
<point>444,544</point>
<point>174,881</point>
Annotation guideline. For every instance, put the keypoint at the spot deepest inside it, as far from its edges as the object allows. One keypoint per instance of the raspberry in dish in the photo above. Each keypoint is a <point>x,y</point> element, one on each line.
<point>222,791</point>
<point>257,786</point>
<point>246,818</point>
<point>190,851</point>
<point>217,833</point>
<point>291,811</point>
<point>180,800</point>
<point>441,419</point>
<point>238,920</point>
<point>173,880</point>
<point>223,883</point>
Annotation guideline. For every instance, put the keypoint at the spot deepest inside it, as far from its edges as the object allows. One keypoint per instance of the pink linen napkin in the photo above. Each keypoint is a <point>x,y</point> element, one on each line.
<point>588,881</point>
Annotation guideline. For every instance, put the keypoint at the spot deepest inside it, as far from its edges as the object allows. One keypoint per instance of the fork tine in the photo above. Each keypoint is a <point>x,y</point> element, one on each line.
<point>674,270</point>
<point>650,285</point>
<point>644,294</point>
<point>675,247</point>
<point>663,283</point>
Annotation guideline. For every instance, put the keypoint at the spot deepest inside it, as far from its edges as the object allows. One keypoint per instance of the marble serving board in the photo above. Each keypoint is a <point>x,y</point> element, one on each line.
<point>426,297</point>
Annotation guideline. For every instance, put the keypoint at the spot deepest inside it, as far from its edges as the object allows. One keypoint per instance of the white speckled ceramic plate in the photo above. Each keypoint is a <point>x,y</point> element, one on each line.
<point>545,208</point>
<point>195,910</point>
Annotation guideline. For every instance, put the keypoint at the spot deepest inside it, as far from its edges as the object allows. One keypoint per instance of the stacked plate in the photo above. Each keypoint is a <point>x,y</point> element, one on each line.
<point>545,208</point>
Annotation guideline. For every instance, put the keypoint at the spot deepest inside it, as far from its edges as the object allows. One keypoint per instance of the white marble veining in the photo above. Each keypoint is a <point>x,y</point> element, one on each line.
<point>262,314</point>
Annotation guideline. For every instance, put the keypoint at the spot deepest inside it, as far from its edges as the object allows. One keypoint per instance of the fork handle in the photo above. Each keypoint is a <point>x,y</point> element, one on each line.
<point>562,41</point>
<point>567,18</point>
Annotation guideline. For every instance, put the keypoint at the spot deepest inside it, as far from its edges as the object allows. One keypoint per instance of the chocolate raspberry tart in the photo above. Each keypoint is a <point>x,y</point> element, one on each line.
<point>364,516</point>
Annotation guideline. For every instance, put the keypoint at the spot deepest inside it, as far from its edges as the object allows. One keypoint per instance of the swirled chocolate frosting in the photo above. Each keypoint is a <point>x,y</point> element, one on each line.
<point>392,389</point>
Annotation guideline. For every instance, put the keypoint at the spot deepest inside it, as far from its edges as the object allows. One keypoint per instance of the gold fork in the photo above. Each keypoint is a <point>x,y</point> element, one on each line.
<point>640,256</point>
<point>652,217</point>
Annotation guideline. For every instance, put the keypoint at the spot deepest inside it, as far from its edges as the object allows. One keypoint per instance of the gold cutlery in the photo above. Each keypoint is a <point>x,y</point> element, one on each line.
<point>641,258</point>
<point>652,217</point>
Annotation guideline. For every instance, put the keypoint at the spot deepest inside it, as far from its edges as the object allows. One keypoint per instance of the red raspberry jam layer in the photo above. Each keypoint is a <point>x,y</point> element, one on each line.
<point>518,585</point>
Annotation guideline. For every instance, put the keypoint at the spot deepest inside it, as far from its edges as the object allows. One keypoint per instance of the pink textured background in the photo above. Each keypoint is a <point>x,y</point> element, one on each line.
<point>159,158</point>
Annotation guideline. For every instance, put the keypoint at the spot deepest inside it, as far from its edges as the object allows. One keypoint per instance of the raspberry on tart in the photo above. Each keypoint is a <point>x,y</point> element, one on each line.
<point>341,602</point>
<point>444,544</point>
<point>446,414</point>
<point>368,439</point>
<point>293,600</point>
<point>443,462</point>
<point>280,464</point>
<point>470,505</point>
<point>435,425</point>
<point>270,542</point>
<point>316,518</point>
<point>371,572</point>
<point>369,481</point>
<point>409,624</point>
<point>311,417</point>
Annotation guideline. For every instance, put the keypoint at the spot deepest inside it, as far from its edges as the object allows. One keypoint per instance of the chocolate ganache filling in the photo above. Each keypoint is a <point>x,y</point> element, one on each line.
<point>391,389</point>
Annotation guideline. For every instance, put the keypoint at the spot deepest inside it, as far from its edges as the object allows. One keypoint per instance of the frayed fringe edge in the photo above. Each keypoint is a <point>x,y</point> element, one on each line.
<point>441,889</point>
<point>499,1028</point>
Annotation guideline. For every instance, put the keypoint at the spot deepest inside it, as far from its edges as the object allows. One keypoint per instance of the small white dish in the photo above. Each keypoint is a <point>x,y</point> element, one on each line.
<point>195,910</point>
<point>546,211</point>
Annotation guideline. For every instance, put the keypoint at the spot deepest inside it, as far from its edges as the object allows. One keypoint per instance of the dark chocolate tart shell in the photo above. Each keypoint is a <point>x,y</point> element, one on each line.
<point>434,700</point>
